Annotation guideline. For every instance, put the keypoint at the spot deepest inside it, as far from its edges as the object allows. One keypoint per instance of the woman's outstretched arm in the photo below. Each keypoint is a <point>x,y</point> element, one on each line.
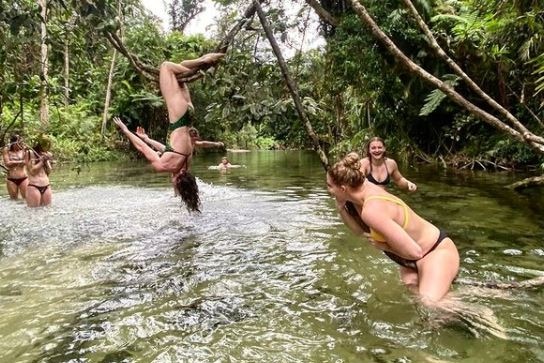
<point>208,144</point>
<point>158,163</point>
<point>399,180</point>
<point>140,131</point>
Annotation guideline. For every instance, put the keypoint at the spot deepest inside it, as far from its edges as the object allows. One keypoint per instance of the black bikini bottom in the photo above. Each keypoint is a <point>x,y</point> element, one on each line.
<point>40,189</point>
<point>412,263</point>
<point>17,181</point>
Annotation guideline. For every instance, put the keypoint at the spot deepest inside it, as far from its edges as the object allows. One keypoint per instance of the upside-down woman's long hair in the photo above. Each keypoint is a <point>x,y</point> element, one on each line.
<point>187,189</point>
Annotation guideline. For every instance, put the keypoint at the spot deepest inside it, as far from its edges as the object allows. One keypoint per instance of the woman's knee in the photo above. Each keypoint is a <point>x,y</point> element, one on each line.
<point>408,276</point>
<point>166,67</point>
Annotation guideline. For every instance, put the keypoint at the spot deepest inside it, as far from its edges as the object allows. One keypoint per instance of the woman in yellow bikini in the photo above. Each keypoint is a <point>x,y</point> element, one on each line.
<point>428,259</point>
<point>178,151</point>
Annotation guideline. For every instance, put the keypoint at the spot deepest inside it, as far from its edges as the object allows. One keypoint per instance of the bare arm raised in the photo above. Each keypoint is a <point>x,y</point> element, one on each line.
<point>140,132</point>
<point>169,162</point>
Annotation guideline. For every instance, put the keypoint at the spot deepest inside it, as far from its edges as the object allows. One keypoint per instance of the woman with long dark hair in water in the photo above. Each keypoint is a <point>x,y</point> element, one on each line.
<point>14,161</point>
<point>177,153</point>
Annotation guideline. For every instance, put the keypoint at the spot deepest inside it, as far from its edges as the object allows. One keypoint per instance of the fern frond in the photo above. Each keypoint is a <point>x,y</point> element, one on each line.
<point>539,71</point>
<point>434,99</point>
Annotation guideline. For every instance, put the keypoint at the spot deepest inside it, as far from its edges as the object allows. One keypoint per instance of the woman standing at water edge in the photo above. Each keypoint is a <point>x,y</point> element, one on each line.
<point>379,169</point>
<point>178,150</point>
<point>428,258</point>
<point>14,160</point>
<point>38,164</point>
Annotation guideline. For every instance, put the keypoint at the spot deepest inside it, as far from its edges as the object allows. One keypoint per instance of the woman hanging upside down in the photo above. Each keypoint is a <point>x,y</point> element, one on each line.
<point>178,151</point>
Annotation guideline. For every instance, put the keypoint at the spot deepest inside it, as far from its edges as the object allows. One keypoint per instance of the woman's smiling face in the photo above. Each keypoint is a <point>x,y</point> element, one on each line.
<point>377,149</point>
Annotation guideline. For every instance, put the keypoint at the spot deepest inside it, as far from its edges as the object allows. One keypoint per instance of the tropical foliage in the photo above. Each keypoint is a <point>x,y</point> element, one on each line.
<point>351,87</point>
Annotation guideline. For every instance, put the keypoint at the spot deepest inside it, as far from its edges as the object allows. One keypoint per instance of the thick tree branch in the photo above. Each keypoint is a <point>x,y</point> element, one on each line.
<point>152,73</point>
<point>117,44</point>
<point>229,38</point>
<point>431,40</point>
<point>527,183</point>
<point>322,13</point>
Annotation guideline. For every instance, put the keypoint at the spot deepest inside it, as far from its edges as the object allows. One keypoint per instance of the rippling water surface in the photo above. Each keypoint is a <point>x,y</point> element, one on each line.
<point>117,271</point>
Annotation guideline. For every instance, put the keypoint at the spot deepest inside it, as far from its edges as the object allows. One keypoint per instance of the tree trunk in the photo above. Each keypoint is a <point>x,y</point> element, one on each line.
<point>322,13</point>
<point>67,33</point>
<point>108,94</point>
<point>44,102</point>
<point>66,73</point>
<point>528,182</point>
<point>291,85</point>
<point>473,86</point>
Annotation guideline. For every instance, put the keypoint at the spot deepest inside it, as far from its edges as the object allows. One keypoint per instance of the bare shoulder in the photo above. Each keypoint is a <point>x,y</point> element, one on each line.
<point>365,164</point>
<point>391,164</point>
<point>374,212</point>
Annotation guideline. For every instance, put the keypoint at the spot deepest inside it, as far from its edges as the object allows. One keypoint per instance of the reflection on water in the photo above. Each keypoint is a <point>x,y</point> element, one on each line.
<point>117,271</point>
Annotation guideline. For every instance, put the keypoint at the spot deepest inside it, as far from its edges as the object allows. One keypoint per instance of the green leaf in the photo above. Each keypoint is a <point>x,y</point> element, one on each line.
<point>433,99</point>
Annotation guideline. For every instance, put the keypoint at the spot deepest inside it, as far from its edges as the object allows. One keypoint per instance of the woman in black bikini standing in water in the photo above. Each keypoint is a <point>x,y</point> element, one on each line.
<point>14,160</point>
<point>178,151</point>
<point>38,164</point>
<point>428,259</point>
<point>379,169</point>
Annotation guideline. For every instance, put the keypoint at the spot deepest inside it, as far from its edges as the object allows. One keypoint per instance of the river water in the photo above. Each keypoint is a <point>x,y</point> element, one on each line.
<point>117,271</point>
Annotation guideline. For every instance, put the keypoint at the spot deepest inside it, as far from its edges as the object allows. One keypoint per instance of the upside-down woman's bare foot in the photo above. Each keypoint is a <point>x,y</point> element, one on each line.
<point>210,59</point>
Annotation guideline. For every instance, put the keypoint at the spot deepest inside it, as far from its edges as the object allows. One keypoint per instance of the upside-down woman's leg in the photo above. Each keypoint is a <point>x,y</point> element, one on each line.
<point>201,62</point>
<point>172,92</point>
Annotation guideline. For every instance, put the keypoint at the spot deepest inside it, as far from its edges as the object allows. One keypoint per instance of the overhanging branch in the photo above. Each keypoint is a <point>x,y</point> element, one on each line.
<point>365,17</point>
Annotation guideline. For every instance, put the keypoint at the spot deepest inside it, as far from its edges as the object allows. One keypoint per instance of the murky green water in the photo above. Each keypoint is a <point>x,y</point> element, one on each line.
<point>117,271</point>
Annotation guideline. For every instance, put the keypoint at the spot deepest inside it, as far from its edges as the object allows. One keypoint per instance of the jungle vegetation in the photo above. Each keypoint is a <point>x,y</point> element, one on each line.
<point>62,76</point>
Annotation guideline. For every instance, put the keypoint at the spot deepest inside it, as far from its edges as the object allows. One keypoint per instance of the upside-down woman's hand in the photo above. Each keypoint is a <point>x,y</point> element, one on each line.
<point>120,124</point>
<point>140,131</point>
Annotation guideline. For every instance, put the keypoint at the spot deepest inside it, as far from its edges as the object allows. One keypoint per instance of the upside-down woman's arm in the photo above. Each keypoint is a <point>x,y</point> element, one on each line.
<point>165,164</point>
<point>140,131</point>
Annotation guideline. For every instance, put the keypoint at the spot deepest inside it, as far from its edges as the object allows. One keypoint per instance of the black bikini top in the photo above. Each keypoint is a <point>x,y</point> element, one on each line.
<point>373,180</point>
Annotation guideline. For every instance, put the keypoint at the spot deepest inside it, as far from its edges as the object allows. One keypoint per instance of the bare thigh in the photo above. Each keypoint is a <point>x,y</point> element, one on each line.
<point>437,270</point>
<point>47,196</point>
<point>33,197</point>
<point>22,188</point>
<point>172,92</point>
<point>12,189</point>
